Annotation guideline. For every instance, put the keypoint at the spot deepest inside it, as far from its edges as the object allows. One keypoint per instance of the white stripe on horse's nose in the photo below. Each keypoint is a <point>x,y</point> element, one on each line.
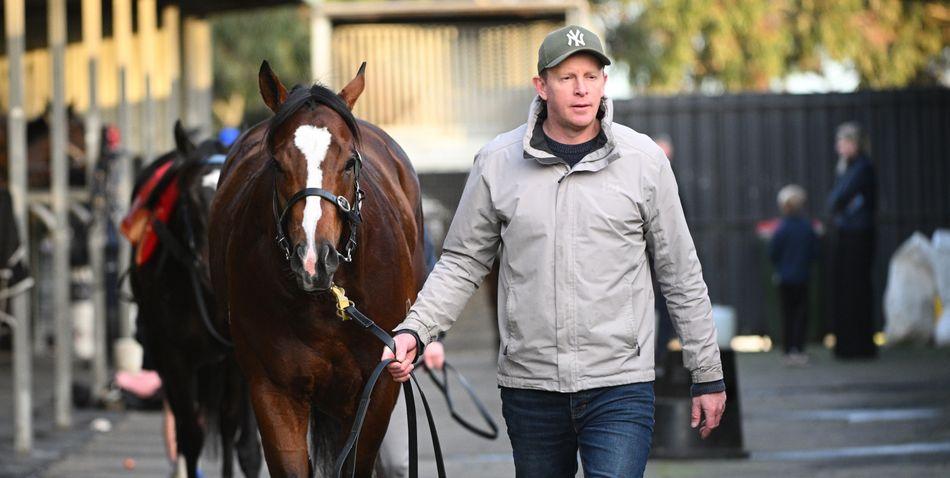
<point>313,143</point>
<point>310,262</point>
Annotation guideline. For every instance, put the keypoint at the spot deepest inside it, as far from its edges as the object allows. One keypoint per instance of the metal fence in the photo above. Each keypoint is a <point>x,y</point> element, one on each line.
<point>734,152</point>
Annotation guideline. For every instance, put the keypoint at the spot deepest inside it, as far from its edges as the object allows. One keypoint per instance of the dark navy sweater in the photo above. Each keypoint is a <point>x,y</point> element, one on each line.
<point>792,249</point>
<point>852,200</point>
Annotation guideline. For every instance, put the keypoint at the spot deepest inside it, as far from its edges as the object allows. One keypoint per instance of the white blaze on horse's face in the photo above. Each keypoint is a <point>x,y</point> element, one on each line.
<point>313,142</point>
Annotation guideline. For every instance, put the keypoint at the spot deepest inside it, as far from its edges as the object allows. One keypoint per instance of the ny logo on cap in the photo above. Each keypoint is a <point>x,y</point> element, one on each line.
<point>575,38</point>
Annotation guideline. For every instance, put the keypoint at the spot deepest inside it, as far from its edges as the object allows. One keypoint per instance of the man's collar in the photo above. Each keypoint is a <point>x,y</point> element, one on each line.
<point>536,149</point>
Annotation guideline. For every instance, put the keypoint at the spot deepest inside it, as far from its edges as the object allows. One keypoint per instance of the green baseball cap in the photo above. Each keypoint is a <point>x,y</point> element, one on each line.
<point>564,42</point>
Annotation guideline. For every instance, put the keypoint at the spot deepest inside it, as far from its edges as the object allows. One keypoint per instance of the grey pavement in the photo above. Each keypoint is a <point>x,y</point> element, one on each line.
<point>886,417</point>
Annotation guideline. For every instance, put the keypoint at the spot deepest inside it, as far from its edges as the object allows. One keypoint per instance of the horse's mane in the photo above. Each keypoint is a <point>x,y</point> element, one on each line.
<point>300,96</point>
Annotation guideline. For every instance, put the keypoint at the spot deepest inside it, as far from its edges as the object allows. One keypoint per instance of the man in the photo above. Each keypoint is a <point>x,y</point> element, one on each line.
<point>573,204</point>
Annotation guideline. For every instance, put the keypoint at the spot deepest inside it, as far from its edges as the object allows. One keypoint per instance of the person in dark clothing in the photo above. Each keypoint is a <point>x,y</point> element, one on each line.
<point>851,204</point>
<point>792,250</point>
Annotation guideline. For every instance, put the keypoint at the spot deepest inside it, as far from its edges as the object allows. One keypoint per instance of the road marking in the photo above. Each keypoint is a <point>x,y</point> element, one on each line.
<point>863,415</point>
<point>922,448</point>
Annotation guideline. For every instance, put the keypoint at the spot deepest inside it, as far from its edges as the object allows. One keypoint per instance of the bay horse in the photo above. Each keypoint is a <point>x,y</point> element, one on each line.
<point>310,165</point>
<point>201,380</point>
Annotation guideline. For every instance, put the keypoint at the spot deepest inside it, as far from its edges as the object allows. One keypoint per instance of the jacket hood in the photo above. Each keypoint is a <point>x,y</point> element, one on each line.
<point>594,161</point>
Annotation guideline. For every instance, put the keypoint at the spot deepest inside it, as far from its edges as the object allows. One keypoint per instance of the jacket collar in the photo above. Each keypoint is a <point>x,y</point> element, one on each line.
<point>594,161</point>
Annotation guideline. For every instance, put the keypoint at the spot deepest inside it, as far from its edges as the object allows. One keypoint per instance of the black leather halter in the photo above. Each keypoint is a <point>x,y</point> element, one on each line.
<point>348,209</point>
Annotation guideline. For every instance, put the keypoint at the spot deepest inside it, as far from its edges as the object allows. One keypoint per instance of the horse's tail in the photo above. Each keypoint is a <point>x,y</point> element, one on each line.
<point>224,402</point>
<point>325,436</point>
<point>212,386</point>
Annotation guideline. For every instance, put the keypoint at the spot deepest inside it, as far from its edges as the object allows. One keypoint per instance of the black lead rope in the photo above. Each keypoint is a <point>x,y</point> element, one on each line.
<point>349,448</point>
<point>187,258</point>
<point>443,385</point>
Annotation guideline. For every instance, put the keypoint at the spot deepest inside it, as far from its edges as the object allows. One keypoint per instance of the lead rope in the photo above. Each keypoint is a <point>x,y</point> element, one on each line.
<point>347,310</point>
<point>443,385</point>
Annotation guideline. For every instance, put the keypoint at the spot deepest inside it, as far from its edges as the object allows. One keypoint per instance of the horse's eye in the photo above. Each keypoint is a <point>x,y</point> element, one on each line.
<point>351,164</point>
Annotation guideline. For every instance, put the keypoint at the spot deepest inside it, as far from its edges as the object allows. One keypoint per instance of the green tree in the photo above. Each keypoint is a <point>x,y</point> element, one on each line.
<point>675,45</point>
<point>242,40</point>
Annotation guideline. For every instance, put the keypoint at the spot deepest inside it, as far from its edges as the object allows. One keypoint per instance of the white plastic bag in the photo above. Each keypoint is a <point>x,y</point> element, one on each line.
<point>911,289</point>
<point>942,333</point>
<point>941,257</point>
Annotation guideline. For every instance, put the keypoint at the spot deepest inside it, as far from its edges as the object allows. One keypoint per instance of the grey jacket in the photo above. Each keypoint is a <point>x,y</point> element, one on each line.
<point>575,296</point>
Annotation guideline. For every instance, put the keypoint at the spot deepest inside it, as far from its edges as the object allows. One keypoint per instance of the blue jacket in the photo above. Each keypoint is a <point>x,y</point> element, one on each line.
<point>852,200</point>
<point>792,249</point>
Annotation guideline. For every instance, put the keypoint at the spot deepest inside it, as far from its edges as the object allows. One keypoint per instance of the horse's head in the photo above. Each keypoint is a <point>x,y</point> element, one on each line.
<point>199,167</point>
<point>313,139</point>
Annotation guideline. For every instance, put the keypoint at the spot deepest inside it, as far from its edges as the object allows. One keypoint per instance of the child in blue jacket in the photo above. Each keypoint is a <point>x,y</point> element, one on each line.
<point>793,247</point>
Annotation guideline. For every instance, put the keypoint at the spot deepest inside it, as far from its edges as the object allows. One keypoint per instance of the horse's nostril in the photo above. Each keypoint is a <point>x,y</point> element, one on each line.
<point>328,258</point>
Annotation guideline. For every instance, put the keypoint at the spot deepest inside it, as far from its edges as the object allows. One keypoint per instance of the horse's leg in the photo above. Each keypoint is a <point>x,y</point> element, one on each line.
<point>283,424</point>
<point>237,420</point>
<point>181,396</point>
<point>228,428</point>
<point>248,445</point>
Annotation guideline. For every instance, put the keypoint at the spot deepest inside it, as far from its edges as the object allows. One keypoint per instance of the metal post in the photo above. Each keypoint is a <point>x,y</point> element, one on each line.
<point>92,37</point>
<point>14,20</point>
<point>59,170</point>
<point>122,35</point>
<point>92,40</point>
<point>147,11</point>
<point>321,35</point>
<point>198,79</point>
<point>171,23</point>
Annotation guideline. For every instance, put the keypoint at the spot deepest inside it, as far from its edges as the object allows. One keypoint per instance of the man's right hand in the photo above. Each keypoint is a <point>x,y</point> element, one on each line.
<point>405,355</point>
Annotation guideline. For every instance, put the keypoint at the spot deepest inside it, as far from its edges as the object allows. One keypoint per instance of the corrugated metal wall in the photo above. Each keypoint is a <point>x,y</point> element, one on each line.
<point>459,77</point>
<point>733,153</point>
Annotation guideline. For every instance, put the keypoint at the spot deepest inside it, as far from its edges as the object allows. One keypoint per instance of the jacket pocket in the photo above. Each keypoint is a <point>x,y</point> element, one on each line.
<point>635,323</point>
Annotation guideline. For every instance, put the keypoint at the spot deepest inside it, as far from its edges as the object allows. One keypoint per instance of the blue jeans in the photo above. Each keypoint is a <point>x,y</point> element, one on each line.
<point>611,426</point>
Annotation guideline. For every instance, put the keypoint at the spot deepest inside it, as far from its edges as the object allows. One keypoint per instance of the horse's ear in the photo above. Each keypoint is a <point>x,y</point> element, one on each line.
<point>182,142</point>
<point>272,90</point>
<point>354,88</point>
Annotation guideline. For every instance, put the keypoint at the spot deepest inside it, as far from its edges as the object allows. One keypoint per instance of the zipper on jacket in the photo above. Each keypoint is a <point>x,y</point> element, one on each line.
<point>557,239</point>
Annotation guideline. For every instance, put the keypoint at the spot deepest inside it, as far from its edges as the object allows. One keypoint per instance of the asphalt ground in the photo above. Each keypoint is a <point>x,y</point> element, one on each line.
<point>884,417</point>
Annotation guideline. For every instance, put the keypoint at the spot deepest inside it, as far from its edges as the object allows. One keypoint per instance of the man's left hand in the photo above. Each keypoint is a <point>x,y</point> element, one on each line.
<point>434,355</point>
<point>707,411</point>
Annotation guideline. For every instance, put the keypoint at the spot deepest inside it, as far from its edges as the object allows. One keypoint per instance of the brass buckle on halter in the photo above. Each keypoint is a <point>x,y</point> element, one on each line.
<point>341,301</point>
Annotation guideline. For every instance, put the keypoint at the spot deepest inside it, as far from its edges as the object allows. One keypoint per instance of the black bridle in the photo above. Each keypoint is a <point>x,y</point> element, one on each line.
<point>350,210</point>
